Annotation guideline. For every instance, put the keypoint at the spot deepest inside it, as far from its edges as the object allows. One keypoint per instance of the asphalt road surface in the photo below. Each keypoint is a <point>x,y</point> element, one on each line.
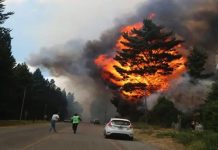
<point>88,137</point>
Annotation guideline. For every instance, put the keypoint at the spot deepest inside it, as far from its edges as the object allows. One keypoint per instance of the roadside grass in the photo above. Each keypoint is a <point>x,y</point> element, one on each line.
<point>206,140</point>
<point>170,139</point>
<point>5,123</point>
<point>147,134</point>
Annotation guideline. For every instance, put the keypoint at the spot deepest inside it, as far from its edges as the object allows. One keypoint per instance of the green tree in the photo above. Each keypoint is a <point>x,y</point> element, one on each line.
<point>164,113</point>
<point>23,75</point>
<point>209,110</point>
<point>128,109</point>
<point>213,94</point>
<point>196,62</point>
<point>23,83</point>
<point>51,84</point>
<point>210,115</point>
<point>148,51</point>
<point>38,95</point>
<point>7,63</point>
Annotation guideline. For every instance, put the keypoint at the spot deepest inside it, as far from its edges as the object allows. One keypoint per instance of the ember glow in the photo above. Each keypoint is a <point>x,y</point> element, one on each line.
<point>154,83</point>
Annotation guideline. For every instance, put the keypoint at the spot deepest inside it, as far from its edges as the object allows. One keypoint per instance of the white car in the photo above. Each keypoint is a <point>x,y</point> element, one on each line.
<point>118,126</point>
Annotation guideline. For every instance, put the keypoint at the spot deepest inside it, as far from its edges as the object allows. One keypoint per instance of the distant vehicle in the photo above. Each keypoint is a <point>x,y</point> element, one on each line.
<point>66,120</point>
<point>118,126</point>
<point>95,121</point>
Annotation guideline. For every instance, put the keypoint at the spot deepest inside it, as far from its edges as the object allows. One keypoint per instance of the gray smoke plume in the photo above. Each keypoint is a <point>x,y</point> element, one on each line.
<point>187,95</point>
<point>69,61</point>
<point>195,21</point>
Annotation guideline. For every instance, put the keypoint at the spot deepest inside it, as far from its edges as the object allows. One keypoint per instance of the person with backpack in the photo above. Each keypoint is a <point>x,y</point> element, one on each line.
<point>75,120</point>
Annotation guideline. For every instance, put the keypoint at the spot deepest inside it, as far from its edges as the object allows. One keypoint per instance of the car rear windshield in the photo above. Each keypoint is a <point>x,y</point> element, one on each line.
<point>121,122</point>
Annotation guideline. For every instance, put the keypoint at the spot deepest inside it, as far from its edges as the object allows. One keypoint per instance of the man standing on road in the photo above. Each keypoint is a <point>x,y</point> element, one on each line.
<point>75,120</point>
<point>54,119</point>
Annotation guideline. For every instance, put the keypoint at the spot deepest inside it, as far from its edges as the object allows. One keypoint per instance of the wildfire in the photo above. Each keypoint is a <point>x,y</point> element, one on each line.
<point>154,82</point>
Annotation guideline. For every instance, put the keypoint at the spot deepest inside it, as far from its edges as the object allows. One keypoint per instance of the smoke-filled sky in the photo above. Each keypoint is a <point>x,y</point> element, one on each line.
<point>58,29</point>
<point>65,36</point>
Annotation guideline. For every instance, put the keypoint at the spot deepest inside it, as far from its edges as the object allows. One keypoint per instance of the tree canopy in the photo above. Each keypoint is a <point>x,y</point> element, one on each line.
<point>7,63</point>
<point>196,62</point>
<point>164,113</point>
<point>147,51</point>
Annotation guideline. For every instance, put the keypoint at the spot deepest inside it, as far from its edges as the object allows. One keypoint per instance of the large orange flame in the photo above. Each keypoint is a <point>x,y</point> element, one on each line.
<point>155,81</point>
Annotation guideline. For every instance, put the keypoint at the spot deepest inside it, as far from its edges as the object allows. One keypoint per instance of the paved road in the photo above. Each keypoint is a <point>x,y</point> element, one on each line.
<point>89,137</point>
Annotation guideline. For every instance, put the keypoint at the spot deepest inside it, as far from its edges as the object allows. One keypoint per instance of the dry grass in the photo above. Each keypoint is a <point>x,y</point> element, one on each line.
<point>149,136</point>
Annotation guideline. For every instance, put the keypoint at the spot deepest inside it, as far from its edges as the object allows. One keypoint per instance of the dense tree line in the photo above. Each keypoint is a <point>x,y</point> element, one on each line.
<point>25,95</point>
<point>37,97</point>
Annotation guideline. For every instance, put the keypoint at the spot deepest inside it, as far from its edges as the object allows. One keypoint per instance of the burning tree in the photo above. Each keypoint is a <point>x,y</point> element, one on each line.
<point>145,52</point>
<point>145,59</point>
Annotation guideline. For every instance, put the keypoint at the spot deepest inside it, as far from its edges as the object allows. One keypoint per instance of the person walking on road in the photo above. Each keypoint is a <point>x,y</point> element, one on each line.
<point>75,120</point>
<point>54,119</point>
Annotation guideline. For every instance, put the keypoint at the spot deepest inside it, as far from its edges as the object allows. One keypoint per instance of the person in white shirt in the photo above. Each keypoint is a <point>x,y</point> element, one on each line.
<point>199,127</point>
<point>54,119</point>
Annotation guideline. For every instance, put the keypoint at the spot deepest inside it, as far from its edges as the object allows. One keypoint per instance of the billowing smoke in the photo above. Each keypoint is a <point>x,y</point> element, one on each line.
<point>69,63</point>
<point>195,21</point>
<point>187,95</point>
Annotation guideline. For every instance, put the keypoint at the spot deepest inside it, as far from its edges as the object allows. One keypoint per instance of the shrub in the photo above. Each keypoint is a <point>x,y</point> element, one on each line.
<point>210,115</point>
<point>197,145</point>
<point>194,140</point>
<point>164,113</point>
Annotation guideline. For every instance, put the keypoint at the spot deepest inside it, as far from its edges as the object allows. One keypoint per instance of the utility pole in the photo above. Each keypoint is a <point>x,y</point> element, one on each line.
<point>105,112</point>
<point>45,112</point>
<point>145,104</point>
<point>146,107</point>
<point>24,96</point>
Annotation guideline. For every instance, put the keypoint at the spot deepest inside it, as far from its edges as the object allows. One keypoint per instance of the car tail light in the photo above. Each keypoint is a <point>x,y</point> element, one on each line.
<point>130,126</point>
<point>110,124</point>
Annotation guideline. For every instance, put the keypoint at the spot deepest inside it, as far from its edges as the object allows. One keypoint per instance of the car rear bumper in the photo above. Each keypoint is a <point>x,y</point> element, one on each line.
<point>109,132</point>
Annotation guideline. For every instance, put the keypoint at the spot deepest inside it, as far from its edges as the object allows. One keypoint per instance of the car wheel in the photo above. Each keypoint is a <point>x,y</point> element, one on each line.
<point>131,138</point>
<point>106,136</point>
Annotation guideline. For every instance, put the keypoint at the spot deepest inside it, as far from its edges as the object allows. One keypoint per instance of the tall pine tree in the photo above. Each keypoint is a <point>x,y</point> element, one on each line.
<point>7,63</point>
<point>23,82</point>
<point>148,51</point>
<point>196,62</point>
